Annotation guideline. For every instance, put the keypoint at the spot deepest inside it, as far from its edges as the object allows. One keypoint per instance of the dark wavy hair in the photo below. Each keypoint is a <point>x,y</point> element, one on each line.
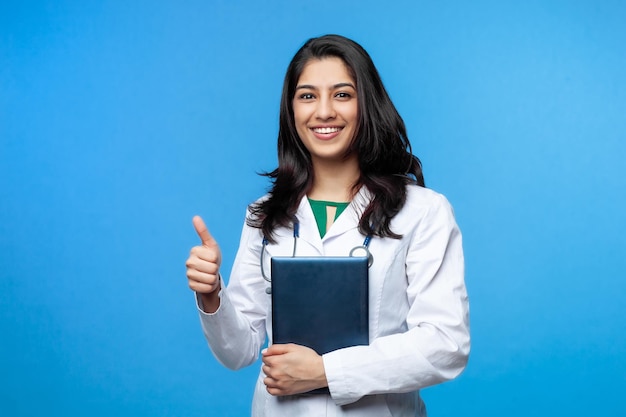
<point>386,161</point>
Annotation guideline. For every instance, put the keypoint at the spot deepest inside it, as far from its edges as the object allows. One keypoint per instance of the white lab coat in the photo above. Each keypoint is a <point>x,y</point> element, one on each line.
<point>418,324</point>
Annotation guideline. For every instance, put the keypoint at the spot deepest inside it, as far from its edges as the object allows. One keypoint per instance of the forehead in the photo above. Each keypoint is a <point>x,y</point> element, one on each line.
<point>320,72</point>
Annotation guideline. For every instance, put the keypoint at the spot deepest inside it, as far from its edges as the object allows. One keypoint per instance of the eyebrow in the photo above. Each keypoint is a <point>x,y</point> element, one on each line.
<point>334,87</point>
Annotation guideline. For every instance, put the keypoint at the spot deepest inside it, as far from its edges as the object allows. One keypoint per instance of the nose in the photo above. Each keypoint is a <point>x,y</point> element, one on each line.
<point>325,109</point>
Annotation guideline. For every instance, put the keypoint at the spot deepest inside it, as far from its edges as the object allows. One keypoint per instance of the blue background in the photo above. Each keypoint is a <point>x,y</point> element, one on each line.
<point>121,120</point>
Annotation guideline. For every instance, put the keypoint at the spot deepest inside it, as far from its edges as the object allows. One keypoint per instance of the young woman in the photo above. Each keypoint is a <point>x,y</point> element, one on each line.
<point>345,171</point>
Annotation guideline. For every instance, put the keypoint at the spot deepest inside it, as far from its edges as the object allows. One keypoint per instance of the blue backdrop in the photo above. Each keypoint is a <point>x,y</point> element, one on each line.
<point>121,120</point>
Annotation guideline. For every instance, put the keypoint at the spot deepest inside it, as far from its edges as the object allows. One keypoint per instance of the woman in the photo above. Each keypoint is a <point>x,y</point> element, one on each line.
<point>345,171</point>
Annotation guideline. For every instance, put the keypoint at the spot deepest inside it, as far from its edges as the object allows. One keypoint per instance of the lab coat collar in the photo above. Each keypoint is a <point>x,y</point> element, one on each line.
<point>347,221</point>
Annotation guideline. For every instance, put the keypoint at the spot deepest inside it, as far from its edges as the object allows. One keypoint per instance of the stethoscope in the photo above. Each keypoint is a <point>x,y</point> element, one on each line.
<point>357,251</point>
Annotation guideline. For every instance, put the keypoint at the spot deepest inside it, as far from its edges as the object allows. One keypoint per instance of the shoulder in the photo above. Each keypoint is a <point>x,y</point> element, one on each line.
<point>262,199</point>
<point>424,205</point>
<point>255,205</point>
<point>423,198</point>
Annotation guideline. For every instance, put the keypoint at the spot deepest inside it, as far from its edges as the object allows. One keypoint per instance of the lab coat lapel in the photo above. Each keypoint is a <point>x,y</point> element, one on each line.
<point>309,232</point>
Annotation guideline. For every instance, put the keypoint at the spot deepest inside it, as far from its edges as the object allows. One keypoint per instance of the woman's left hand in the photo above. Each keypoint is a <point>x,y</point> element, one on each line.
<point>292,369</point>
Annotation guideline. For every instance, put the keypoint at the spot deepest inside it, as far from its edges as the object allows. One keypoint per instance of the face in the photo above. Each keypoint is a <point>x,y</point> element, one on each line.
<point>325,109</point>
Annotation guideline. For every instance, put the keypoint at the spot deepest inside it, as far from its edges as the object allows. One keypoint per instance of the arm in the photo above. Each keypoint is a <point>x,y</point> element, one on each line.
<point>233,317</point>
<point>436,345</point>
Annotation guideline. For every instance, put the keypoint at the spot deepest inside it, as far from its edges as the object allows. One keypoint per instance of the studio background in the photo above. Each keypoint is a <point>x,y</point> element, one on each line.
<point>121,120</point>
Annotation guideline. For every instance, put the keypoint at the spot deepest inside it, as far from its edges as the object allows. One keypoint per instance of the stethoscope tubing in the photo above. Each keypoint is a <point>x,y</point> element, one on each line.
<point>362,250</point>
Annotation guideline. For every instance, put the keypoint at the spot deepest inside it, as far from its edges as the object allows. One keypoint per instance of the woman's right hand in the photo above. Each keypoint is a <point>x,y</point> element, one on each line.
<point>203,267</point>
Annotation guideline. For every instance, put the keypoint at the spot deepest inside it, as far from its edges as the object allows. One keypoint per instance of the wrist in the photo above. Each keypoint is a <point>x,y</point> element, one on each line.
<point>210,302</point>
<point>321,378</point>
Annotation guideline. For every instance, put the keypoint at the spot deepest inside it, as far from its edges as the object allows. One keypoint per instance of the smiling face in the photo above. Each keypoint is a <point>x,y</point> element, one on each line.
<point>325,109</point>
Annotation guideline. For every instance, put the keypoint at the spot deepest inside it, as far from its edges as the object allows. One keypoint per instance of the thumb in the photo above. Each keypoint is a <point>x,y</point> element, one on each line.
<point>203,232</point>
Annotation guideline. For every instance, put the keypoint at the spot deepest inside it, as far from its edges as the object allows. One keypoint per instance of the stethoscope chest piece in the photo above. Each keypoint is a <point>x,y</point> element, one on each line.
<point>362,251</point>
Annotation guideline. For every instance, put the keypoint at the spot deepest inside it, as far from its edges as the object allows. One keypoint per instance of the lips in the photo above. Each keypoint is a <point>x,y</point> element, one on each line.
<point>326,132</point>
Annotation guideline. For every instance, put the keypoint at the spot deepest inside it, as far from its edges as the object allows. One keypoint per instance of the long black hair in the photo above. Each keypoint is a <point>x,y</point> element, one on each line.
<point>386,161</point>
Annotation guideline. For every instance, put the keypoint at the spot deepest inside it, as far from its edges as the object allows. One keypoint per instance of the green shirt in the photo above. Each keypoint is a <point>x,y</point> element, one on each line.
<point>320,209</point>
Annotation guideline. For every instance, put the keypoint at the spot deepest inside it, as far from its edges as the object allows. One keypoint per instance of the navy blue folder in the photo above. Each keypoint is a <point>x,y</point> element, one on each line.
<point>320,302</point>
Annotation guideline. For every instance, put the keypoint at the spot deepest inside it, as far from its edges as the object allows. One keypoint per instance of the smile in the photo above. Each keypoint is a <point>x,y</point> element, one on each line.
<point>326,130</point>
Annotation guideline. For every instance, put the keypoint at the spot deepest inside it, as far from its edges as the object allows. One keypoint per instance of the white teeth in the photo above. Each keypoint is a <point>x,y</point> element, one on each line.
<point>326,129</point>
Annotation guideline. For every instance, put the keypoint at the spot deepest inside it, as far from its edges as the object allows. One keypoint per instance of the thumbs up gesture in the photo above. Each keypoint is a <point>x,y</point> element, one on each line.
<point>204,263</point>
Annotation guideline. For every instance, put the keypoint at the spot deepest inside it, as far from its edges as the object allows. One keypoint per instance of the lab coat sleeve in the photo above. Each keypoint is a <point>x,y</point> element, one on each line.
<point>436,345</point>
<point>236,331</point>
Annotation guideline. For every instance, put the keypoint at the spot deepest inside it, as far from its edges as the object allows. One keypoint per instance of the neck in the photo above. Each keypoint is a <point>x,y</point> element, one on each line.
<point>335,180</point>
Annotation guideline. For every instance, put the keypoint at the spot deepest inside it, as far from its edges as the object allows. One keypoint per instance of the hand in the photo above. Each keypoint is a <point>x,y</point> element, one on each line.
<point>292,369</point>
<point>203,265</point>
